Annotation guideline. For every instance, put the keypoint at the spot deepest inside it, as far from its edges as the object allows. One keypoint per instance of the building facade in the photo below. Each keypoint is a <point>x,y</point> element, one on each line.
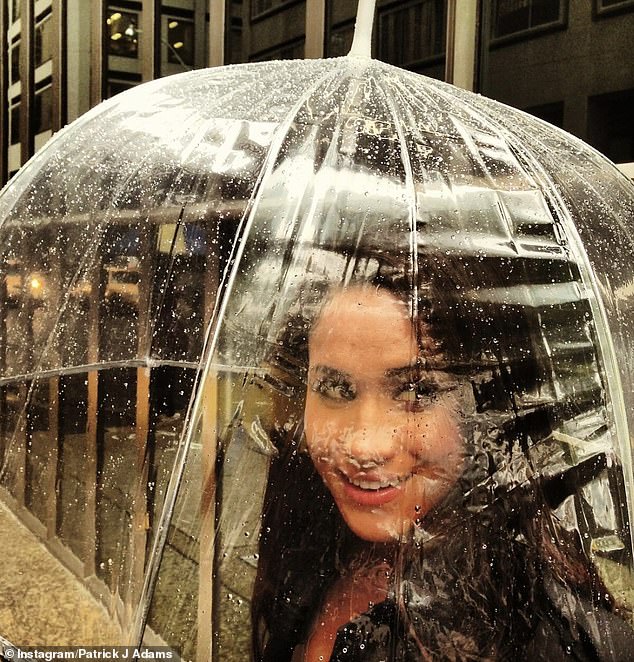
<point>567,61</point>
<point>61,57</point>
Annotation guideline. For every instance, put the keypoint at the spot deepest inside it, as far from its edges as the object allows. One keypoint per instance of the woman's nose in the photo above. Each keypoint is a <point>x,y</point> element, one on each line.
<point>372,439</point>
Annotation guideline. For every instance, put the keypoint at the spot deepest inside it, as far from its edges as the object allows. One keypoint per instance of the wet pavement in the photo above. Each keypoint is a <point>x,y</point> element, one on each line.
<point>43,603</point>
<point>39,595</point>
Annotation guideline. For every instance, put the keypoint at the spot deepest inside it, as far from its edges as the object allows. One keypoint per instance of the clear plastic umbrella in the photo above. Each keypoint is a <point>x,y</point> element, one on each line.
<point>317,358</point>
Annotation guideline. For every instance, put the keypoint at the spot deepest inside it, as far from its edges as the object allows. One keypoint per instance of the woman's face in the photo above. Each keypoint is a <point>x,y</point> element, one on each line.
<point>381,423</point>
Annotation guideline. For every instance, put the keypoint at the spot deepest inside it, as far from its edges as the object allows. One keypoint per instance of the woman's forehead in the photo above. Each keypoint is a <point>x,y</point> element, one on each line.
<point>363,310</point>
<point>363,327</point>
<point>363,299</point>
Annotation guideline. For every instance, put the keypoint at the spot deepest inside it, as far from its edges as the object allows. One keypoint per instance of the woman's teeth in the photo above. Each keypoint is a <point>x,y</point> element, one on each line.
<point>375,485</point>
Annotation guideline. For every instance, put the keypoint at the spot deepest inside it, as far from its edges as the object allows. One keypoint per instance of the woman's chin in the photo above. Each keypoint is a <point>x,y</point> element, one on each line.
<point>378,527</point>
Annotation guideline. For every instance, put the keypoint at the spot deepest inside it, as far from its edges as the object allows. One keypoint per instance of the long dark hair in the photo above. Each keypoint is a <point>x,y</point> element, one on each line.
<point>473,581</point>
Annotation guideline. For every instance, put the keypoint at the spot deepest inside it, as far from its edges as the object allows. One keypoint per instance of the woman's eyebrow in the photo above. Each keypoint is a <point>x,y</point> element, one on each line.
<point>328,371</point>
<point>407,371</point>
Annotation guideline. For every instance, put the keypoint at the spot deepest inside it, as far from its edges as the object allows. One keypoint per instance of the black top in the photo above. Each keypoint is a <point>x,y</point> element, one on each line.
<point>565,628</point>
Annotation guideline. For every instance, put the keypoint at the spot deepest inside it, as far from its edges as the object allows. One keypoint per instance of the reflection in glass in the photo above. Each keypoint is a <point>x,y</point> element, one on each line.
<point>180,40</point>
<point>117,479</point>
<point>123,33</point>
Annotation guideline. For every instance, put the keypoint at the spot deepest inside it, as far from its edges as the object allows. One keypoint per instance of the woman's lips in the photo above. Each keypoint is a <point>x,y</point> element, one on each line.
<point>371,491</point>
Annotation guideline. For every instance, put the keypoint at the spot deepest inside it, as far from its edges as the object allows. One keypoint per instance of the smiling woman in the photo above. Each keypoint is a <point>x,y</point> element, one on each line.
<point>380,423</point>
<point>405,516</point>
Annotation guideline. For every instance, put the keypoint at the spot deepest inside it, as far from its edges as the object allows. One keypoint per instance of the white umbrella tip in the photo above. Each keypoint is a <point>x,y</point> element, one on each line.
<point>362,40</point>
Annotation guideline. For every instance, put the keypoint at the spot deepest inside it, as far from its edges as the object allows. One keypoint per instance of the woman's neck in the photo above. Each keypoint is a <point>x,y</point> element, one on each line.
<point>362,585</point>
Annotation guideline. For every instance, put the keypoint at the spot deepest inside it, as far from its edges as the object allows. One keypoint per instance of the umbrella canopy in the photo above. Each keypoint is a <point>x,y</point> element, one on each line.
<point>284,336</point>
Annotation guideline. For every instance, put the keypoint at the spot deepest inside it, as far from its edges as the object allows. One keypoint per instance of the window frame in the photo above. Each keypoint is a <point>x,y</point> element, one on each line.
<point>561,23</point>
<point>599,11</point>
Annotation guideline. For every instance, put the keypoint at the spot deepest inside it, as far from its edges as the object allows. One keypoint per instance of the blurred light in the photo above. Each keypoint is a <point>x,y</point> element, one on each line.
<point>178,44</point>
<point>115,36</point>
<point>130,31</point>
<point>115,17</point>
<point>173,24</point>
<point>36,284</point>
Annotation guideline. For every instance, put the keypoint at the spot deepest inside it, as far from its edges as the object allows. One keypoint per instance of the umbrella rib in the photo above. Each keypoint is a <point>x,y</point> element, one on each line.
<point>411,192</point>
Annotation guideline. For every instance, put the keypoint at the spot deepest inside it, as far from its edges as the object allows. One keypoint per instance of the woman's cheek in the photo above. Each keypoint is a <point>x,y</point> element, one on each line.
<point>319,441</point>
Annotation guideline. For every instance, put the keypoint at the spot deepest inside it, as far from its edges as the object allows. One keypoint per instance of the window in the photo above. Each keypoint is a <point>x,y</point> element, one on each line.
<point>14,123</point>
<point>553,113</point>
<point>412,33</point>
<point>180,41</point>
<point>123,30</point>
<point>43,41</point>
<point>42,109</point>
<point>610,127</point>
<point>512,17</point>
<point>340,40</point>
<point>120,81</point>
<point>15,62</point>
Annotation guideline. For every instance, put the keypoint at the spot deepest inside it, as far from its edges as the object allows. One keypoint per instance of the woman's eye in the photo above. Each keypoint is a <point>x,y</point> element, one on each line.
<point>416,392</point>
<point>422,393</point>
<point>334,390</point>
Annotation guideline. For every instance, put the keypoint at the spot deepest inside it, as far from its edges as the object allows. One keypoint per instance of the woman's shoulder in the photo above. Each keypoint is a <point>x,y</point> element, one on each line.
<point>565,626</point>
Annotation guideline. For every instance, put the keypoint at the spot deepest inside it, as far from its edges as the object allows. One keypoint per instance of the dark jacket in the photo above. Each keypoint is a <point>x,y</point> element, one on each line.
<point>564,628</point>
